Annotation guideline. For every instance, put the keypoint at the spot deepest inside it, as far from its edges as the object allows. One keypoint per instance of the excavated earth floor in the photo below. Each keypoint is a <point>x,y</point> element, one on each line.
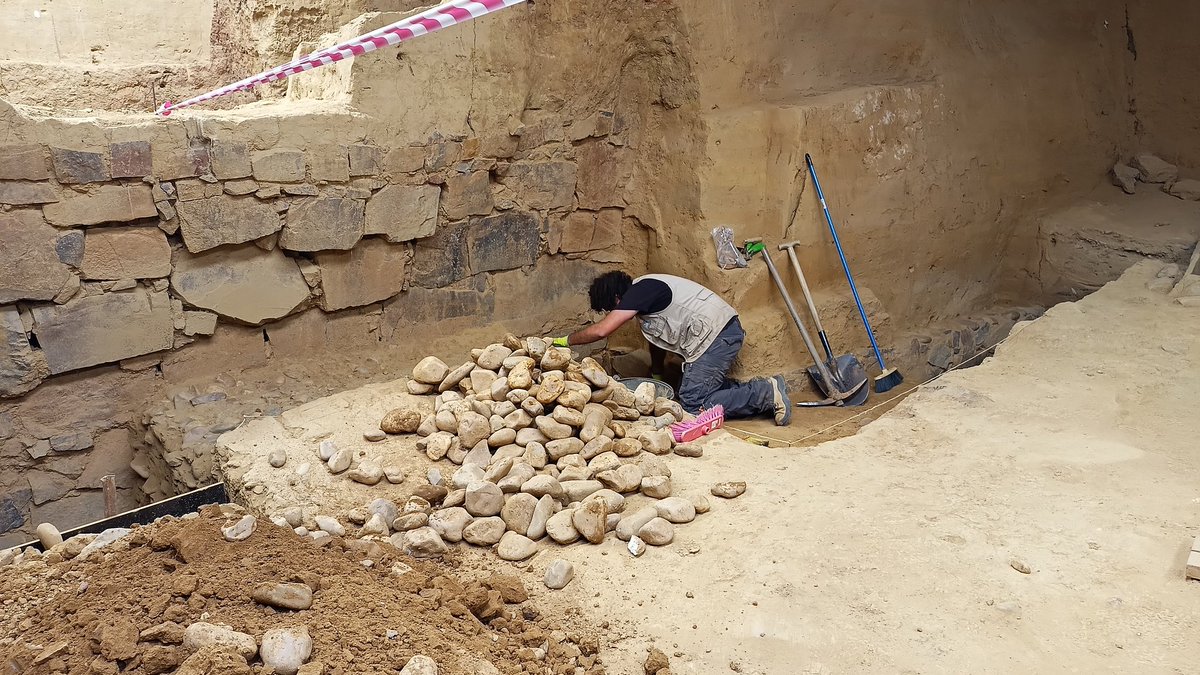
<point>1033,513</point>
<point>1030,514</point>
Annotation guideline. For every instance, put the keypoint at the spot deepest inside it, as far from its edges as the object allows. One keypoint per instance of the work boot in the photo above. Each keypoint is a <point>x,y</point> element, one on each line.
<point>783,404</point>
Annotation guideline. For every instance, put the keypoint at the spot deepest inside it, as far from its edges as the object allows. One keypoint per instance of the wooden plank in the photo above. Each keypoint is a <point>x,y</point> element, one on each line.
<point>172,506</point>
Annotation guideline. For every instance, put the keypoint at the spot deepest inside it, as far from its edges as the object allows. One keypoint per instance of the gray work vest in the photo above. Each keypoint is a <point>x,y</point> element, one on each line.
<point>690,324</point>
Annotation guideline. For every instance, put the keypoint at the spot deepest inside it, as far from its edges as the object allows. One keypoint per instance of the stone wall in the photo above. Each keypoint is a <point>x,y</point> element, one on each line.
<point>131,252</point>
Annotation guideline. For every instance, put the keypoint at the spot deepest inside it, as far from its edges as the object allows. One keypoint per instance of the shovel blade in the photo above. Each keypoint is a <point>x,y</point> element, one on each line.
<point>850,374</point>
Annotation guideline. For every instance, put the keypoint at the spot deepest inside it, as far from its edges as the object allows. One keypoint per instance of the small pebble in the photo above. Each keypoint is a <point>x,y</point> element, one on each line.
<point>277,458</point>
<point>729,490</point>
<point>375,526</point>
<point>283,596</point>
<point>286,649</point>
<point>48,535</point>
<point>1020,566</point>
<point>240,530</point>
<point>420,665</point>
<point>374,435</point>
<point>367,474</point>
<point>340,461</point>
<point>330,525</point>
<point>559,574</point>
<point>636,546</point>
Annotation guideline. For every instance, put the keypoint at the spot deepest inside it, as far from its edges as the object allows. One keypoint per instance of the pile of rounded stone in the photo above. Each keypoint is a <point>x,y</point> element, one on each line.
<point>547,445</point>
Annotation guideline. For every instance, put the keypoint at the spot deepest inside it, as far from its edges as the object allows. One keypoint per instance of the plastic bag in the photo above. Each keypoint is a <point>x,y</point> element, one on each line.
<point>728,256</point>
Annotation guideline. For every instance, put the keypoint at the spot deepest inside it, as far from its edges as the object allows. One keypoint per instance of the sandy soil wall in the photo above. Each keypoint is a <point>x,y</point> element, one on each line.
<point>937,140</point>
<point>1166,78</point>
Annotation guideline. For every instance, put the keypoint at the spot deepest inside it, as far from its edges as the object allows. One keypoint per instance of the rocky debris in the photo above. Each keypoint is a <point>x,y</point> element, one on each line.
<point>374,435</point>
<point>49,536</point>
<point>1125,177</point>
<point>240,530</point>
<point>202,634</point>
<point>420,665</point>
<point>546,446</point>
<point>339,461</point>
<point>330,525</point>
<point>559,574</point>
<point>401,421</point>
<point>410,521</point>
<point>676,510</point>
<point>366,473</point>
<point>546,507</point>
<point>1188,189</point>
<point>689,450</point>
<point>1020,566</point>
<point>484,499</point>
<point>286,649</point>
<point>450,523</point>
<point>636,546</point>
<point>375,526</point>
<point>632,522</point>
<point>657,487</point>
<point>657,532</point>
<point>700,503</point>
<point>515,547</point>
<point>590,520</point>
<point>422,542</point>
<point>517,513</point>
<point>1154,170</point>
<point>656,663</point>
<point>283,595</point>
<point>431,370</point>
<point>277,458</point>
<point>729,489</point>
<point>560,527</point>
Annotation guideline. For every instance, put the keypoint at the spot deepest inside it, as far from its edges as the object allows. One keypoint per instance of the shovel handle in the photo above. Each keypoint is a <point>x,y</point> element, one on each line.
<point>834,392</point>
<point>790,247</point>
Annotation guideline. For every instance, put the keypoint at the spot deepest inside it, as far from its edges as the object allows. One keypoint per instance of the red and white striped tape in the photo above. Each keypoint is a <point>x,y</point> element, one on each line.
<point>442,16</point>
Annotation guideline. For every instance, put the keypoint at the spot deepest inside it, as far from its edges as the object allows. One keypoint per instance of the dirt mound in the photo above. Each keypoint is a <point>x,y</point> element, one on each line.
<point>125,609</point>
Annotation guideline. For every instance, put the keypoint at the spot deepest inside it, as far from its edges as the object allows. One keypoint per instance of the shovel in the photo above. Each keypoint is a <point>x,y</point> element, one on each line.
<point>847,371</point>
<point>833,395</point>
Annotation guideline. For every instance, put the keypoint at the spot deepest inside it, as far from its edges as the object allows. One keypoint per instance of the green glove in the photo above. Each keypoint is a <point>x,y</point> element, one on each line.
<point>560,342</point>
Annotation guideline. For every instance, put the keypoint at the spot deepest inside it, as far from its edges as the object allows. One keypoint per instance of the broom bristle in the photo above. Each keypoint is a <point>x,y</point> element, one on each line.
<point>888,380</point>
<point>707,422</point>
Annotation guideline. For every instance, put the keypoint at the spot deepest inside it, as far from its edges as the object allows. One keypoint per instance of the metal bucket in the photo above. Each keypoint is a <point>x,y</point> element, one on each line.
<point>661,389</point>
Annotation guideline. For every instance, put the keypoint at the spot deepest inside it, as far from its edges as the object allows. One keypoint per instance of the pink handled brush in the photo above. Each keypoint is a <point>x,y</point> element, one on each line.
<point>705,423</point>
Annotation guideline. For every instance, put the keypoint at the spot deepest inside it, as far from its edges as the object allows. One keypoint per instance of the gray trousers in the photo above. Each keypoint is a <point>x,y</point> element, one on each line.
<point>705,384</point>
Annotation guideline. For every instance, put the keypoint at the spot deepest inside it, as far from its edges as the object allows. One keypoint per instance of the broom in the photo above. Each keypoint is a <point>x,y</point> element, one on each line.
<point>890,377</point>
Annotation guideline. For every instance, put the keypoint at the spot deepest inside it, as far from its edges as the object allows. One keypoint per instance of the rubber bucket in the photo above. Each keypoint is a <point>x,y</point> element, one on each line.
<point>661,389</point>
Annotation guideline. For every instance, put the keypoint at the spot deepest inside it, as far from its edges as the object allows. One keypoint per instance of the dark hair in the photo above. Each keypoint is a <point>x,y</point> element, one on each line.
<point>606,288</point>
